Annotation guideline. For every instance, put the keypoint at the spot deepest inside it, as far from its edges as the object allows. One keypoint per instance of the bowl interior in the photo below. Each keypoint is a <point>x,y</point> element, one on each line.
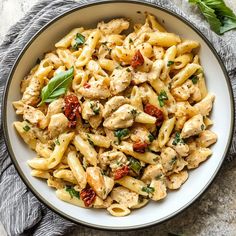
<point>199,178</point>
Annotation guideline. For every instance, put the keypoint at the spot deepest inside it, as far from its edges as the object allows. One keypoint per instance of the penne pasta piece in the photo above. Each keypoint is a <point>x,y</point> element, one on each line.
<point>147,157</point>
<point>86,149</point>
<point>65,196</point>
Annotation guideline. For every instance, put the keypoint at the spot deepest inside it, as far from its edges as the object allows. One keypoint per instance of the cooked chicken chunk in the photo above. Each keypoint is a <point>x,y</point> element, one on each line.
<point>125,196</point>
<point>193,126</point>
<point>34,116</point>
<point>115,26</point>
<point>58,124</point>
<point>31,95</point>
<point>180,147</point>
<point>205,105</point>
<point>121,118</point>
<point>168,159</point>
<point>113,104</point>
<point>159,190</point>
<point>120,80</point>
<point>113,158</point>
<point>198,156</point>
<point>151,172</point>
<point>92,112</point>
<point>206,138</point>
<point>95,90</point>
<point>174,181</point>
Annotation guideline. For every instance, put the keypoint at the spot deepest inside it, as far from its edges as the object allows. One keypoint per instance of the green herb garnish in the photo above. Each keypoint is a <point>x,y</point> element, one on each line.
<point>162,97</point>
<point>220,17</point>
<point>134,112</point>
<point>173,160</point>
<point>177,139</point>
<point>135,165</point>
<point>194,79</point>
<point>91,142</point>
<point>130,40</point>
<point>57,142</point>
<point>148,189</point>
<point>169,63</point>
<point>121,133</point>
<point>79,40</point>
<point>158,177</point>
<point>72,192</point>
<point>151,137</point>
<point>95,108</point>
<point>26,128</point>
<point>57,86</point>
<point>128,70</point>
<point>202,127</point>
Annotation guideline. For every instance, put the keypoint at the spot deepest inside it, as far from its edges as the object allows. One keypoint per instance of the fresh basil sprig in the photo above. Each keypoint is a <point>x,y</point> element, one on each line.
<point>220,17</point>
<point>56,86</point>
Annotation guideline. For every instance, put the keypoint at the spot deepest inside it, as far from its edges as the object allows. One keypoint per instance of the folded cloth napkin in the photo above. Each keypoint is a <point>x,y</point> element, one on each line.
<point>20,212</point>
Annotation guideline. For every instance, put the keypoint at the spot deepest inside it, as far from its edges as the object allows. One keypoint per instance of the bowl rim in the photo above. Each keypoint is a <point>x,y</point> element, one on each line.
<point>14,159</point>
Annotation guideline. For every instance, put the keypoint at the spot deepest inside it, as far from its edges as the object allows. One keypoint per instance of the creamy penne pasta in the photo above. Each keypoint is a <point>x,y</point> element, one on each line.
<point>116,120</point>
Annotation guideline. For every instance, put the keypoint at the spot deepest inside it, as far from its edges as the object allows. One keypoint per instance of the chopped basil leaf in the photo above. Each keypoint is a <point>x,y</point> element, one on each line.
<point>121,133</point>
<point>148,189</point>
<point>90,141</point>
<point>79,40</point>
<point>128,70</point>
<point>57,142</point>
<point>151,137</point>
<point>162,97</point>
<point>135,165</point>
<point>202,127</point>
<point>194,79</point>
<point>52,147</point>
<point>26,128</point>
<point>95,108</point>
<point>169,63</point>
<point>158,177</point>
<point>177,139</point>
<point>72,192</point>
<point>130,40</point>
<point>134,112</point>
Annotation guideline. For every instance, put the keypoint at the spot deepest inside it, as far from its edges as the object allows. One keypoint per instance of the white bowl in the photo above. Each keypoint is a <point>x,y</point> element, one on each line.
<point>217,82</point>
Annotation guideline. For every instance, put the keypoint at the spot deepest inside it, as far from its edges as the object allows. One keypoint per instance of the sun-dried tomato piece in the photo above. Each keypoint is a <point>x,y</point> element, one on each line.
<point>119,173</point>
<point>87,85</point>
<point>132,83</point>
<point>72,109</point>
<point>88,196</point>
<point>140,146</point>
<point>154,111</point>
<point>137,60</point>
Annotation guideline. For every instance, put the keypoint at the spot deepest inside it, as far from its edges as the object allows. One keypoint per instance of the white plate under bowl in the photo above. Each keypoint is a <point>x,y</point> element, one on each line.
<point>217,83</point>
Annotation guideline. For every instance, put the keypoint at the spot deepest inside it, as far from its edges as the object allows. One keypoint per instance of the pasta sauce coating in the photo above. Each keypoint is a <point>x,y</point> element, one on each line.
<point>117,120</point>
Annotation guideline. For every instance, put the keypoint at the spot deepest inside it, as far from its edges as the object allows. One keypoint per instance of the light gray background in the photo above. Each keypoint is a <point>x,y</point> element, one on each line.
<point>216,210</point>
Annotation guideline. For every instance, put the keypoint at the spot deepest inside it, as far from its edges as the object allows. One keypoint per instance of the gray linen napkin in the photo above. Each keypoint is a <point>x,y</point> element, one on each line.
<point>20,212</point>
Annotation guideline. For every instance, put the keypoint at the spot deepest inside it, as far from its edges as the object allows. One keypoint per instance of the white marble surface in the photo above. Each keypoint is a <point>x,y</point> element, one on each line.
<point>213,214</point>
